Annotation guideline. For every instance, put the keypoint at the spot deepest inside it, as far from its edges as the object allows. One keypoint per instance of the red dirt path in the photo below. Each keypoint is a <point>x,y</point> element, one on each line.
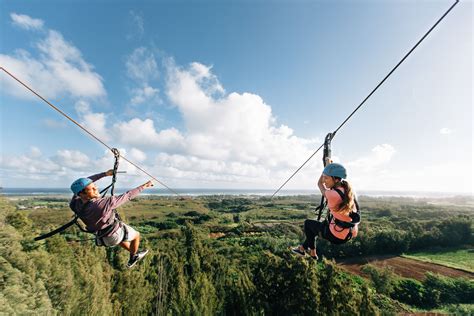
<point>404,267</point>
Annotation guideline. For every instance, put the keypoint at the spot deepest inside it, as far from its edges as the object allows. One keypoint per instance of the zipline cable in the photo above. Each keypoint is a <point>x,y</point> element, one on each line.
<point>370,94</point>
<point>85,130</point>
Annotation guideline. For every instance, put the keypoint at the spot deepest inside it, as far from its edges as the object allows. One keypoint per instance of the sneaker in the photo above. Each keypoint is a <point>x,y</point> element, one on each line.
<point>298,251</point>
<point>137,257</point>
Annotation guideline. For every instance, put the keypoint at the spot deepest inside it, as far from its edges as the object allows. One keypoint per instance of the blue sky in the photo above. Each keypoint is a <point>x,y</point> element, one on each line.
<point>238,94</point>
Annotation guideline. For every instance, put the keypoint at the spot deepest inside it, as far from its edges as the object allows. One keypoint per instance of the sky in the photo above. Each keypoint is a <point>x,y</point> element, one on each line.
<point>237,94</point>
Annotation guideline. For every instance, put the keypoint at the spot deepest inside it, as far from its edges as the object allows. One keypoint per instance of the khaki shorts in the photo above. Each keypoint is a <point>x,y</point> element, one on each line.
<point>117,237</point>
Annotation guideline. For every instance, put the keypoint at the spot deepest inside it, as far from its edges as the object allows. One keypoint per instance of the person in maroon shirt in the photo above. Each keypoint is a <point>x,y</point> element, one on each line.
<point>99,215</point>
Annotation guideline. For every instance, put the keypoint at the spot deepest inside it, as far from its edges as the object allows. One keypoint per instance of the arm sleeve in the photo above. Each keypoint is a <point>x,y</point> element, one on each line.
<point>98,176</point>
<point>116,201</point>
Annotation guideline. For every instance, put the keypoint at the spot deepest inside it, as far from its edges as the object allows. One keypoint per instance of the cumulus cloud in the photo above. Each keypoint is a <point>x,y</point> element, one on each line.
<point>27,165</point>
<point>82,107</point>
<point>94,122</point>
<point>380,155</point>
<point>445,131</point>
<point>142,68</point>
<point>371,169</point>
<point>26,22</point>
<point>141,65</point>
<point>73,159</point>
<point>35,152</point>
<point>57,68</point>
<point>35,169</point>
<point>233,136</point>
<point>143,94</point>
<point>142,133</point>
<point>137,155</point>
<point>236,126</point>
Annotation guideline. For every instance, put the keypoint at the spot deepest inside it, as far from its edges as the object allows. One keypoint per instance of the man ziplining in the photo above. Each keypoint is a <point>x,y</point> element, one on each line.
<point>100,217</point>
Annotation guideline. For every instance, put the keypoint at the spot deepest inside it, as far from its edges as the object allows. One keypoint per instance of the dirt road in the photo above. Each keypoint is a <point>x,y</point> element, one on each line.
<point>404,267</point>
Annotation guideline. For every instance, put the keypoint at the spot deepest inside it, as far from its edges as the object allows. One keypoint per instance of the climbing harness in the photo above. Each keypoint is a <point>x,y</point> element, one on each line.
<point>355,217</point>
<point>370,94</point>
<point>100,234</point>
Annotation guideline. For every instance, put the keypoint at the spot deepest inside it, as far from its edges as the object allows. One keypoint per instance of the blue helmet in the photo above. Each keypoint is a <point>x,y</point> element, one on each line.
<point>335,170</point>
<point>80,184</point>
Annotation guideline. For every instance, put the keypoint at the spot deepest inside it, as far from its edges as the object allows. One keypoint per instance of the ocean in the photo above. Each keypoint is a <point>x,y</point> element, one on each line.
<point>233,192</point>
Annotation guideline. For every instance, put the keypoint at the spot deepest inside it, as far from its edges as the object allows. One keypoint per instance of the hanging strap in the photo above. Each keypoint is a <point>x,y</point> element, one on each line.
<point>103,192</point>
<point>64,227</point>
<point>326,155</point>
<point>355,216</point>
<point>57,230</point>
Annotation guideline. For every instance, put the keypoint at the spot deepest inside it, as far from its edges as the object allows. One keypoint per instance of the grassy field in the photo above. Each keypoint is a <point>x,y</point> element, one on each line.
<point>462,259</point>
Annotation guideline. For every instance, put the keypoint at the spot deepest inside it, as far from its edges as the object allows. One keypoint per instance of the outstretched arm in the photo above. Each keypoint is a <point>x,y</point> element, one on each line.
<point>116,201</point>
<point>98,176</point>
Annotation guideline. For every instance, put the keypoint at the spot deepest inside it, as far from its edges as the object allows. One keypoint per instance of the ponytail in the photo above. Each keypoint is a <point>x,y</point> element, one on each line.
<point>348,203</point>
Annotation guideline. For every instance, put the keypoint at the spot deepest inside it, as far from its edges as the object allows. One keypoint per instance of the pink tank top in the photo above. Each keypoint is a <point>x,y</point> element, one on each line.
<point>334,200</point>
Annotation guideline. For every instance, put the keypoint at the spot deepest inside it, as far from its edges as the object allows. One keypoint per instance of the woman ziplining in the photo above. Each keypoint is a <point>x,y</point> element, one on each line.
<point>343,216</point>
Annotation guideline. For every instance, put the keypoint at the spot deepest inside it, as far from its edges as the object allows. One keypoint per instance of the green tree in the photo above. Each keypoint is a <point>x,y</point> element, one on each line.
<point>286,285</point>
<point>339,294</point>
<point>409,291</point>
<point>382,279</point>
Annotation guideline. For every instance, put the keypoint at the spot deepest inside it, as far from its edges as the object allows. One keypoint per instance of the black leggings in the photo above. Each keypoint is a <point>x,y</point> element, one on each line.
<point>313,229</point>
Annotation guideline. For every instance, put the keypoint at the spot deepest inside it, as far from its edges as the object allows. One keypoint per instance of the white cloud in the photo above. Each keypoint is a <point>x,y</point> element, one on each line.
<point>65,62</point>
<point>142,133</point>
<point>136,132</point>
<point>26,22</point>
<point>137,155</point>
<point>380,155</point>
<point>71,159</point>
<point>445,131</point>
<point>35,152</point>
<point>141,65</point>
<point>235,135</point>
<point>62,168</point>
<point>96,124</point>
<point>144,94</point>
<point>58,69</point>
<point>27,165</point>
<point>372,169</point>
<point>82,107</point>
<point>142,68</point>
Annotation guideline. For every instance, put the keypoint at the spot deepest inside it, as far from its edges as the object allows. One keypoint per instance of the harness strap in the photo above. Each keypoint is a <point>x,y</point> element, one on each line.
<point>57,230</point>
<point>76,217</point>
<point>355,217</point>
<point>64,227</point>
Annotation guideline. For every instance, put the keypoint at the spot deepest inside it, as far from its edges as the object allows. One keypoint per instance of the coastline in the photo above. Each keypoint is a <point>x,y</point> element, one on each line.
<point>65,193</point>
